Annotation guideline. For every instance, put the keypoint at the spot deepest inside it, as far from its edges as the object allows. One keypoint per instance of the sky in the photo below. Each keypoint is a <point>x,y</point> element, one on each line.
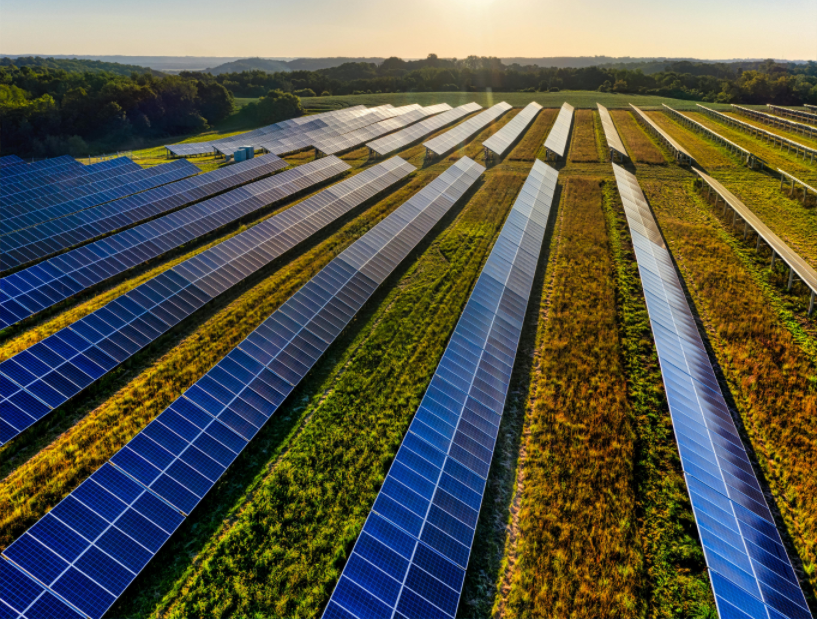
<point>708,29</point>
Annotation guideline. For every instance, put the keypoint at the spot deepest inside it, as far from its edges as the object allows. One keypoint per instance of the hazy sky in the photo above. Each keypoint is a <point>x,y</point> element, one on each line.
<point>412,29</point>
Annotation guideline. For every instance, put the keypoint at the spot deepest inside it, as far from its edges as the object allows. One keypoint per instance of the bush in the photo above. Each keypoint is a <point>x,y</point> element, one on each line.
<point>274,107</point>
<point>554,89</point>
<point>326,94</point>
<point>304,93</point>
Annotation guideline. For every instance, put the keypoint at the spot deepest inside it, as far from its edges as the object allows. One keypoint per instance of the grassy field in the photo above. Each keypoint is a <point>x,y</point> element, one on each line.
<point>640,145</point>
<point>584,145</point>
<point>586,512</point>
<point>578,99</point>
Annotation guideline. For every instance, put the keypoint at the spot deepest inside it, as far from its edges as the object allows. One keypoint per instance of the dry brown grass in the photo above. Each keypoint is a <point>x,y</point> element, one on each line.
<point>639,145</point>
<point>705,153</point>
<point>529,146</point>
<point>578,553</point>
<point>583,140</point>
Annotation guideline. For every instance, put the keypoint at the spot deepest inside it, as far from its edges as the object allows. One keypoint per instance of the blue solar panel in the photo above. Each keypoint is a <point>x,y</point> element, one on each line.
<point>750,571</point>
<point>10,160</point>
<point>23,597</point>
<point>52,237</point>
<point>18,172</point>
<point>139,182</point>
<point>47,189</point>
<point>90,547</point>
<point>43,285</point>
<point>411,557</point>
<point>127,324</point>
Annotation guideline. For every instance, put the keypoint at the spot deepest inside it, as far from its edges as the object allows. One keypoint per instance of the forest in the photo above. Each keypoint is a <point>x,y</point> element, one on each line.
<point>47,109</point>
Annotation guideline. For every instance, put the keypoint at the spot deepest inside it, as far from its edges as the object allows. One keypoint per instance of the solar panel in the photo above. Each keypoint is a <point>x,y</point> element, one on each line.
<point>459,134</point>
<point>336,144</point>
<point>46,375</point>
<point>411,557</point>
<point>771,119</point>
<point>750,571</point>
<point>557,140</point>
<point>45,239</point>
<point>795,114</point>
<point>393,142</point>
<point>36,169</point>
<point>40,187</point>
<point>138,182</point>
<point>615,146</point>
<point>770,137</point>
<point>749,158</point>
<point>10,160</point>
<point>679,152</point>
<point>43,285</point>
<point>316,120</point>
<point>23,597</point>
<point>499,143</point>
<point>89,548</point>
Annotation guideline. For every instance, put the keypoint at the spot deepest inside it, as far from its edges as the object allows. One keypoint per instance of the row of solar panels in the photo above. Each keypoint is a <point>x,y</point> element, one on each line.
<point>679,152</point>
<point>18,172</point>
<point>771,119</point>
<point>336,144</point>
<point>557,140</point>
<point>500,141</point>
<point>41,378</point>
<point>440,145</point>
<point>136,182</point>
<point>10,160</point>
<point>804,115</point>
<point>81,556</point>
<point>282,128</point>
<point>38,189</point>
<point>615,145</point>
<point>776,139</point>
<point>393,142</point>
<point>411,557</point>
<point>45,239</point>
<point>750,572</point>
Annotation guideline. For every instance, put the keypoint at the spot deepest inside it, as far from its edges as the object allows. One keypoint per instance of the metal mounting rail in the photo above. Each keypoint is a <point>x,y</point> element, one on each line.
<point>679,152</point>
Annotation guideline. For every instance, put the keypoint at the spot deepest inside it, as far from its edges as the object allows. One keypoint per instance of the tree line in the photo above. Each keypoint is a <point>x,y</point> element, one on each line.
<point>47,111</point>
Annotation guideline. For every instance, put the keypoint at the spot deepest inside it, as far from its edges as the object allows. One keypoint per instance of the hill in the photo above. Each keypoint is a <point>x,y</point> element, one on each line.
<point>76,64</point>
<point>250,64</point>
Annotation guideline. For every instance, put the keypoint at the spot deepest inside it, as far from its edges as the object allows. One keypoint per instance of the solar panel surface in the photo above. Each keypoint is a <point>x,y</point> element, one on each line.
<point>47,238</point>
<point>37,169</point>
<point>611,135</point>
<point>393,142</point>
<point>444,143</point>
<point>501,140</point>
<point>771,119</point>
<point>411,557</point>
<point>43,377</point>
<point>91,546</point>
<point>40,187</point>
<point>557,139</point>
<point>750,572</point>
<point>138,182</point>
<point>806,115</point>
<point>10,160</point>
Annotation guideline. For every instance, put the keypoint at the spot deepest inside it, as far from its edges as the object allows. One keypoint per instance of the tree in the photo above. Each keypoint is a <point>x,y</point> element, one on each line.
<point>274,107</point>
<point>216,103</point>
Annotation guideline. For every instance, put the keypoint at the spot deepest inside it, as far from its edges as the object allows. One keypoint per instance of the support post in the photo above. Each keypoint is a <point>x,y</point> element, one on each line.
<point>758,243</point>
<point>772,261</point>
<point>811,303</point>
<point>789,280</point>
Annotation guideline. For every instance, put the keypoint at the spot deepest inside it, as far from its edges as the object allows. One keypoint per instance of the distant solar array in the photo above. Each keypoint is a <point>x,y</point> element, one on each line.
<point>804,115</point>
<point>405,137</point>
<point>810,107</point>
<point>770,137</point>
<point>337,144</point>
<point>780,249</point>
<point>679,152</point>
<point>750,159</point>
<point>37,189</point>
<point>615,145</point>
<point>51,237</point>
<point>89,548</point>
<point>557,140</point>
<point>500,142</point>
<point>46,375</point>
<point>779,122</point>
<point>139,182</point>
<point>411,557</point>
<point>441,145</point>
<point>750,572</point>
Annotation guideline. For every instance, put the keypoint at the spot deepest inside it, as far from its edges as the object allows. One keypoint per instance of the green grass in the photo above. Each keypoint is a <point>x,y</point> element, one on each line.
<point>578,99</point>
